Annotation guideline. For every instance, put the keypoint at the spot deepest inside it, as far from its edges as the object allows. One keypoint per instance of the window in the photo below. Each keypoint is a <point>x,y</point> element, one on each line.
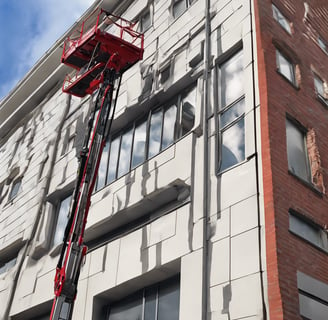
<point>313,297</point>
<point>285,67</point>
<point>308,230</point>
<point>319,87</point>
<point>15,189</point>
<point>62,218</point>
<point>147,137</point>
<point>232,111</point>
<point>159,302</point>
<point>145,21</point>
<point>281,19</point>
<point>297,155</point>
<point>7,264</point>
<point>323,45</point>
<point>180,6</point>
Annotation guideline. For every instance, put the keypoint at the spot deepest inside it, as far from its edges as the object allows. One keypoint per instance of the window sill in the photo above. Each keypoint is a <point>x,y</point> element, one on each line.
<point>293,84</point>
<point>306,183</point>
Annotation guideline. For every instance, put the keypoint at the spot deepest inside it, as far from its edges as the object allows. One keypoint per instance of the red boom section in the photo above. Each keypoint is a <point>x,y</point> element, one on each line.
<point>90,50</point>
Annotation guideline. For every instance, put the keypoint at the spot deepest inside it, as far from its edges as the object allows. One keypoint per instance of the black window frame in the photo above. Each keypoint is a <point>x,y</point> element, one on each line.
<point>8,263</point>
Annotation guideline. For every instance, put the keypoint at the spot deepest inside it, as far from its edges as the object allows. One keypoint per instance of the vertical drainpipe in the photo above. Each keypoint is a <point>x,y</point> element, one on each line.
<point>206,104</point>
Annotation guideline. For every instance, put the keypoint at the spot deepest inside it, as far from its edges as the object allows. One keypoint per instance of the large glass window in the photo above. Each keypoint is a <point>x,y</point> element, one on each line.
<point>159,302</point>
<point>298,162</point>
<point>147,137</point>
<point>232,111</point>
<point>62,218</point>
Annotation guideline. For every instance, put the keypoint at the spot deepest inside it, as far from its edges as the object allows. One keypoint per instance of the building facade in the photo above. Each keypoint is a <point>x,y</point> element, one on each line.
<point>210,201</point>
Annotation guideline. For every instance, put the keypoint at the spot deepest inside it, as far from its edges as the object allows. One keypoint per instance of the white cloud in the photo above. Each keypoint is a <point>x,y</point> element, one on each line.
<point>43,23</point>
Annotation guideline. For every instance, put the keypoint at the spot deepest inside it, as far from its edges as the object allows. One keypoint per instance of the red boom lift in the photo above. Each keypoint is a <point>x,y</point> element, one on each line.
<point>99,58</point>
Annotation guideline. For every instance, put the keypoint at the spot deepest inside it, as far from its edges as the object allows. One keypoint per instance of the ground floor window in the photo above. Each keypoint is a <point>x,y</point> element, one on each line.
<point>158,302</point>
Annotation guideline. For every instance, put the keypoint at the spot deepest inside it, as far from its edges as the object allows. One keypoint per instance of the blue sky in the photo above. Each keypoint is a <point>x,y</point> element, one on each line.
<point>28,28</point>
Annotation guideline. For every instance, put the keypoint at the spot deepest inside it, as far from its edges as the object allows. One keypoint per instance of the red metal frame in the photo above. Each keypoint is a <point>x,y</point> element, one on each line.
<point>94,47</point>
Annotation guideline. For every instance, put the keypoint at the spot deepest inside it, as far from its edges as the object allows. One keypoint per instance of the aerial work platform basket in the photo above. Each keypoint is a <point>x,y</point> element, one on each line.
<point>103,42</point>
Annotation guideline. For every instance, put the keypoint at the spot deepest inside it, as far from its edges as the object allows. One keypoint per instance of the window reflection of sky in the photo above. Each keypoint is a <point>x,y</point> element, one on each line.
<point>111,174</point>
<point>233,145</point>
<point>232,82</point>
<point>103,167</point>
<point>232,113</point>
<point>125,152</point>
<point>168,127</point>
<point>139,143</point>
<point>61,220</point>
<point>155,134</point>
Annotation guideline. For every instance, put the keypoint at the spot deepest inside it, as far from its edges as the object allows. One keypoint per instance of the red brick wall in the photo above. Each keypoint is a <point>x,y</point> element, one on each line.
<point>287,253</point>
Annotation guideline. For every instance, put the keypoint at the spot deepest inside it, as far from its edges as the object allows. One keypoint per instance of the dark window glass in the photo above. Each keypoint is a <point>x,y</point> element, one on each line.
<point>308,231</point>
<point>150,303</point>
<point>129,309</point>
<point>5,266</point>
<point>170,116</point>
<point>125,153</point>
<point>139,144</point>
<point>232,113</point>
<point>145,21</point>
<point>188,111</point>
<point>323,45</point>
<point>112,166</point>
<point>298,162</point>
<point>168,302</point>
<point>15,189</point>
<point>155,133</point>
<point>233,145</point>
<point>102,172</point>
<point>62,218</point>
<point>159,302</point>
<point>179,7</point>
